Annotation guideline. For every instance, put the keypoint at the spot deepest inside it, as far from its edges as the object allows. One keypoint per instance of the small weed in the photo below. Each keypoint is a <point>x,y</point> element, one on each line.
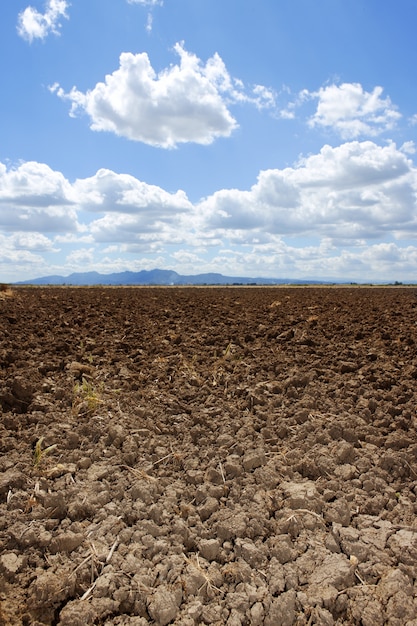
<point>228,348</point>
<point>224,364</point>
<point>188,370</point>
<point>86,398</point>
<point>40,453</point>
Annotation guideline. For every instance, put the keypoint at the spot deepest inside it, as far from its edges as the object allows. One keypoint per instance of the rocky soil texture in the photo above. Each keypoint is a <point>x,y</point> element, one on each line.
<point>238,456</point>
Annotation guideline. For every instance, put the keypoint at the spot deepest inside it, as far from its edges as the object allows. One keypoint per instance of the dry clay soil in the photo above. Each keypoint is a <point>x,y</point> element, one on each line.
<point>208,456</point>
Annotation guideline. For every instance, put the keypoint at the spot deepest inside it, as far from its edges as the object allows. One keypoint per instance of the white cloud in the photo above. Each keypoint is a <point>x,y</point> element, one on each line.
<point>353,112</point>
<point>35,242</point>
<point>74,238</point>
<point>35,25</point>
<point>23,251</point>
<point>289,112</point>
<point>263,97</point>
<point>35,198</point>
<point>184,103</point>
<point>107,191</point>
<point>356,190</point>
<point>387,261</point>
<point>146,3</point>
<point>186,258</point>
<point>280,259</point>
<point>18,260</point>
<point>134,213</point>
<point>342,209</point>
<point>149,22</point>
<point>138,233</point>
<point>408,147</point>
<point>25,259</point>
<point>81,258</point>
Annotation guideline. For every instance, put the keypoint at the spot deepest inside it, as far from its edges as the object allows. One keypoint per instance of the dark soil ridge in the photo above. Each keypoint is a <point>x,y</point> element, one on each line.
<point>238,456</point>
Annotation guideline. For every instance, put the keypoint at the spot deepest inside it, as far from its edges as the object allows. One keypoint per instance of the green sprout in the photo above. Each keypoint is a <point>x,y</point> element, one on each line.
<point>40,453</point>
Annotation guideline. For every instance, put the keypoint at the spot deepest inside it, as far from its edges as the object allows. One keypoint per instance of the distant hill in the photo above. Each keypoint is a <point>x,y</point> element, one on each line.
<point>158,277</point>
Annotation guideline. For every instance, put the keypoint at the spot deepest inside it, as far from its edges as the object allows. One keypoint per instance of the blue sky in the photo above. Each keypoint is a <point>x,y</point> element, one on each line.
<point>269,138</point>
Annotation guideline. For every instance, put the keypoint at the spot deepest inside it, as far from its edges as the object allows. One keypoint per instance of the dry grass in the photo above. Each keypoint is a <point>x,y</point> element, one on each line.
<point>86,398</point>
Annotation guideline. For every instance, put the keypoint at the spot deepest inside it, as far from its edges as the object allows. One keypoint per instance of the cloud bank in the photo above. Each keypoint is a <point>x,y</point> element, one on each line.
<point>349,206</point>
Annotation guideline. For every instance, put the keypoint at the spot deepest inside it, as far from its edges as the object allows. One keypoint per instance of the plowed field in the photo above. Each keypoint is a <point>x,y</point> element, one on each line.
<point>238,456</point>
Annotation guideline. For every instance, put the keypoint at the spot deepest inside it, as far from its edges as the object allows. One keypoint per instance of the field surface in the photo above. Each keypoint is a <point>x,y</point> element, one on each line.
<point>237,456</point>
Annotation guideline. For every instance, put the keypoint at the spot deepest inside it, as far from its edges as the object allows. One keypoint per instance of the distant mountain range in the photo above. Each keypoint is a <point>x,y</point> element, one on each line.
<point>158,277</point>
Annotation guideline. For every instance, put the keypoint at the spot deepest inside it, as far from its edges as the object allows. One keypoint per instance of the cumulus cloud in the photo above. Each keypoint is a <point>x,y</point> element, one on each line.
<point>187,102</point>
<point>35,242</point>
<point>127,229</point>
<point>108,191</point>
<point>35,25</point>
<point>358,189</point>
<point>137,234</point>
<point>35,198</point>
<point>22,255</point>
<point>142,217</point>
<point>181,104</point>
<point>9,255</point>
<point>351,111</point>
<point>80,257</point>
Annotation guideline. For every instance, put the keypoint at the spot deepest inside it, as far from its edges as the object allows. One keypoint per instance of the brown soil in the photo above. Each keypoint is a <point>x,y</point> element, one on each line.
<point>208,456</point>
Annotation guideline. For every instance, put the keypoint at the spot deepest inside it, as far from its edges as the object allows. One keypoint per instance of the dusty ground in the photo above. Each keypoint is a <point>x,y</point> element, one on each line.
<point>208,456</point>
